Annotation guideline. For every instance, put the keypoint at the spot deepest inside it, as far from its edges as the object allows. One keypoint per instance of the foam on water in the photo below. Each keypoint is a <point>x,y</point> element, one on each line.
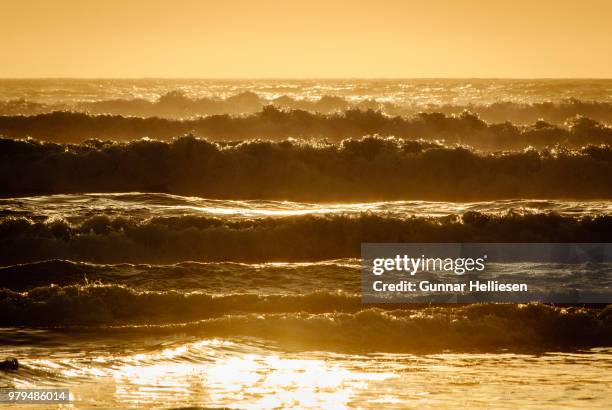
<point>76,207</point>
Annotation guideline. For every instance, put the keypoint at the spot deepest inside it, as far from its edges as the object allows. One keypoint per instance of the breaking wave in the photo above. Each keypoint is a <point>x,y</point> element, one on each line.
<point>107,239</point>
<point>264,278</point>
<point>275,124</point>
<point>177,105</point>
<point>319,320</point>
<point>367,169</point>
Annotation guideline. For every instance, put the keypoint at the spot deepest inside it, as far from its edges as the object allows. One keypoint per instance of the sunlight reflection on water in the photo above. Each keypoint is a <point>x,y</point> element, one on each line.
<point>145,205</point>
<point>218,372</point>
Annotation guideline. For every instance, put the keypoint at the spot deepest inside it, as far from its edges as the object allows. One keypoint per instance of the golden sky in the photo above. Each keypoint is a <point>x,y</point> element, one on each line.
<point>291,39</point>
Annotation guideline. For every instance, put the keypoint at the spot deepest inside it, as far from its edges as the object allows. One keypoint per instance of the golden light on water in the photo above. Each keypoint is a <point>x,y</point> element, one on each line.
<point>257,381</point>
<point>220,372</point>
<point>207,371</point>
<point>201,177</point>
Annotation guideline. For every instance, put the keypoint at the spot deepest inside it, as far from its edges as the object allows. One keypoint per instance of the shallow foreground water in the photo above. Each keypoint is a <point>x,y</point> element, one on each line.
<point>181,371</point>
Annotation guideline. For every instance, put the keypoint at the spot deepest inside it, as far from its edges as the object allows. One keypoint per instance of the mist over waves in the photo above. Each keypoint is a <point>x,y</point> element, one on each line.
<point>274,124</point>
<point>177,105</point>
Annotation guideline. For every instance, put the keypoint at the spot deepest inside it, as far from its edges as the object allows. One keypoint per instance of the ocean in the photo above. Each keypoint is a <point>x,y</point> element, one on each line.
<point>140,267</point>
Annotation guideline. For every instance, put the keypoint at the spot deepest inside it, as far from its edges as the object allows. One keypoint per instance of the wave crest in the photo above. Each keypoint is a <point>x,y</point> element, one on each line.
<point>319,320</point>
<point>371,168</point>
<point>176,105</point>
<point>298,238</point>
<point>272,123</point>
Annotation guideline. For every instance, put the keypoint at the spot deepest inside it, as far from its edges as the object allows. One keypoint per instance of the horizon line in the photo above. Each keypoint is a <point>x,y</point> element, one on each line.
<point>302,78</point>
